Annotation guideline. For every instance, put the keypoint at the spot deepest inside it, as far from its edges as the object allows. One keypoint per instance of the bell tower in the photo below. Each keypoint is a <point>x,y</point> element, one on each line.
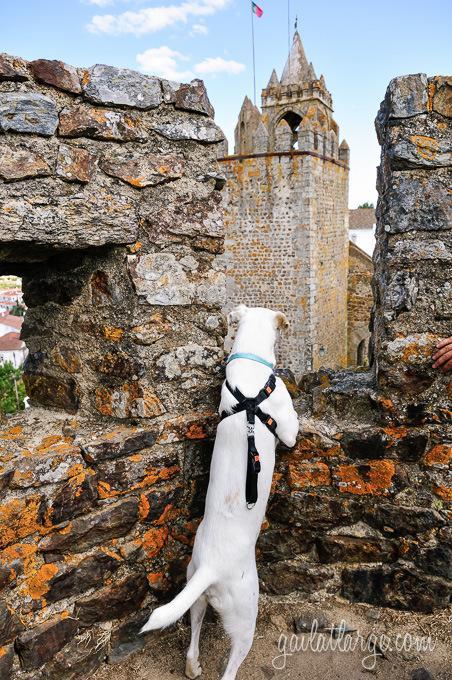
<point>286,205</point>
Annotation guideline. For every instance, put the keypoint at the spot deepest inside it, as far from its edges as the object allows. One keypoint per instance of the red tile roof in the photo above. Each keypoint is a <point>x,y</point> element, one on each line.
<point>13,321</point>
<point>11,341</point>
<point>362,218</point>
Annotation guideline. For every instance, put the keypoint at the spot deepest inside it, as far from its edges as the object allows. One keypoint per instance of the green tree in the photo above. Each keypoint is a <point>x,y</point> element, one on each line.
<point>18,310</point>
<point>366,205</point>
<point>12,389</point>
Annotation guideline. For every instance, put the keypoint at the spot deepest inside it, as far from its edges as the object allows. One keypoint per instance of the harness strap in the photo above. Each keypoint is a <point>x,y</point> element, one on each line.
<point>251,406</point>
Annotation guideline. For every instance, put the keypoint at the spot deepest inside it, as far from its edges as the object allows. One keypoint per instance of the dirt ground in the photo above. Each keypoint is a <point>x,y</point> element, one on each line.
<point>164,655</point>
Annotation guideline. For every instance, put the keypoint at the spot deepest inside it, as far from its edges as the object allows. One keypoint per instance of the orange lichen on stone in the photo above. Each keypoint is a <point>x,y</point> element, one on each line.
<point>47,442</point>
<point>386,404</point>
<point>12,433</point>
<point>155,577</point>
<point>154,540</point>
<point>143,507</point>
<point>443,492</point>
<point>135,458</point>
<point>38,585</point>
<point>196,431</point>
<point>426,147</point>
<point>440,454</point>
<point>19,518</point>
<point>112,333</point>
<point>307,474</point>
<point>111,553</point>
<point>396,432</point>
<point>374,477</point>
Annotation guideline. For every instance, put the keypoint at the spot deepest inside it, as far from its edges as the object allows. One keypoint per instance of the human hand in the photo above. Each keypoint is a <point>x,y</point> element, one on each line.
<point>443,355</point>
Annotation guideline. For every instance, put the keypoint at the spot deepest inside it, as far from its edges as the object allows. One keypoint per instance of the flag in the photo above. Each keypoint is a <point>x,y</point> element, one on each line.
<point>258,11</point>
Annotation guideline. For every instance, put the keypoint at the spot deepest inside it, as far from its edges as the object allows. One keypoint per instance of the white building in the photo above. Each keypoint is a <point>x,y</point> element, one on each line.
<point>12,349</point>
<point>10,324</point>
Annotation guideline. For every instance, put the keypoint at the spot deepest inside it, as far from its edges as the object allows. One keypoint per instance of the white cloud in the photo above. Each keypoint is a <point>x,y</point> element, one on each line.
<point>214,65</point>
<point>199,29</point>
<point>163,62</point>
<point>153,19</point>
<point>100,3</point>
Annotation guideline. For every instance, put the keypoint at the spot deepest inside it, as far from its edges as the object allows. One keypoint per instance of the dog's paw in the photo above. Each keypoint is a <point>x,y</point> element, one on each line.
<point>192,669</point>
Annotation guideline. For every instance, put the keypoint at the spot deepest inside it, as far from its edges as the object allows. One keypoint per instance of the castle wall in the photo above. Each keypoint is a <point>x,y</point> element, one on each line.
<point>362,503</point>
<point>359,304</point>
<point>286,239</point>
<point>110,213</point>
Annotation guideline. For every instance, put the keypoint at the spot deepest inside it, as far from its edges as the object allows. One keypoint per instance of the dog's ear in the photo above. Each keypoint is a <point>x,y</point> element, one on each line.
<point>236,314</point>
<point>281,321</point>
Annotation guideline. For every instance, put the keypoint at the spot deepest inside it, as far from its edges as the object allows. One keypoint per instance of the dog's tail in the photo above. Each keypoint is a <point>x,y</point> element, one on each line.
<point>171,612</point>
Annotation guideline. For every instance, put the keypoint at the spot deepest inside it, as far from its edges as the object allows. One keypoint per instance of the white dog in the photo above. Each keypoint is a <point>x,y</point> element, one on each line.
<point>222,570</point>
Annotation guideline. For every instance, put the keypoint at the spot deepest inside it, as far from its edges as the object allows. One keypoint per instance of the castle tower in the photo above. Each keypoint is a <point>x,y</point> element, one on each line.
<point>286,204</point>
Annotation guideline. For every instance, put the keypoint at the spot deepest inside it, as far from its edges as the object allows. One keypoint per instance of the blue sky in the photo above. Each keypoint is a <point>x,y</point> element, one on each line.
<point>358,46</point>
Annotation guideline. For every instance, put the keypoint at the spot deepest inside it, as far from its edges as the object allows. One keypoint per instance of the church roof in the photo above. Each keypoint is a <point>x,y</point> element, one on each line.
<point>297,69</point>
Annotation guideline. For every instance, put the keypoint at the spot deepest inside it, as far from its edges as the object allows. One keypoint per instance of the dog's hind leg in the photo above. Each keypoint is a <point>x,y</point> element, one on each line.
<point>239,621</point>
<point>241,643</point>
<point>197,611</point>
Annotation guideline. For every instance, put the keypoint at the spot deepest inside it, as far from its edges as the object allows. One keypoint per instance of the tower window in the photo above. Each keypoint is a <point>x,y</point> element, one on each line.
<point>293,120</point>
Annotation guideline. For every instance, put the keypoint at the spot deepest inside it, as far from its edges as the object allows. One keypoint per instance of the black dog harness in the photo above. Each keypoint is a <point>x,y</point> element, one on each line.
<point>251,406</point>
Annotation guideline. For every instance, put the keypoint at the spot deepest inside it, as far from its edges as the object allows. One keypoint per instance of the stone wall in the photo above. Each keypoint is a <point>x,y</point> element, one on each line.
<point>361,505</point>
<point>102,482</point>
<point>109,210</point>
<point>286,248</point>
<point>359,305</point>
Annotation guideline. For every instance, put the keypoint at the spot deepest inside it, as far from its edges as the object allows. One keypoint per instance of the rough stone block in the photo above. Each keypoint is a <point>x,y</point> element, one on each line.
<point>86,121</point>
<point>355,549</point>
<point>374,477</point>
<point>125,639</point>
<point>21,163</point>
<point>113,602</point>
<point>28,112</point>
<point>52,391</point>
<point>10,624</point>
<point>6,661</point>
<point>12,68</point>
<point>80,658</point>
<point>19,518</point>
<point>76,497</point>
<point>88,573</point>
<point>164,280</point>
<point>201,130</point>
<point>40,644</point>
<point>50,468</point>
<point>420,142</point>
<point>144,171</point>
<point>397,586</point>
<point>83,533</point>
<point>121,87</point>
<point>75,164</point>
<point>417,201</point>
<point>119,443</point>
<point>281,578</point>
<point>78,216</point>
<point>442,97</point>
<point>56,73</point>
<point>193,97</point>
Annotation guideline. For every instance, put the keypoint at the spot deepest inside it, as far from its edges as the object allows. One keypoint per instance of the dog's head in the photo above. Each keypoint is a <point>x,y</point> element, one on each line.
<point>258,317</point>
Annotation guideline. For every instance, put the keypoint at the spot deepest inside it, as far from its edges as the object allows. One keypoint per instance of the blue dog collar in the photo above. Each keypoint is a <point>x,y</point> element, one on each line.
<point>251,357</point>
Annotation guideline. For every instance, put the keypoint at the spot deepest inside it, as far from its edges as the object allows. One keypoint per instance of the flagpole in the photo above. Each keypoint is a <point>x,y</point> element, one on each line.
<point>254,55</point>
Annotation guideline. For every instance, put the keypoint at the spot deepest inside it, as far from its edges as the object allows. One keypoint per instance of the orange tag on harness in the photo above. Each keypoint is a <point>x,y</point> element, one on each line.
<point>270,421</point>
<point>268,390</point>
